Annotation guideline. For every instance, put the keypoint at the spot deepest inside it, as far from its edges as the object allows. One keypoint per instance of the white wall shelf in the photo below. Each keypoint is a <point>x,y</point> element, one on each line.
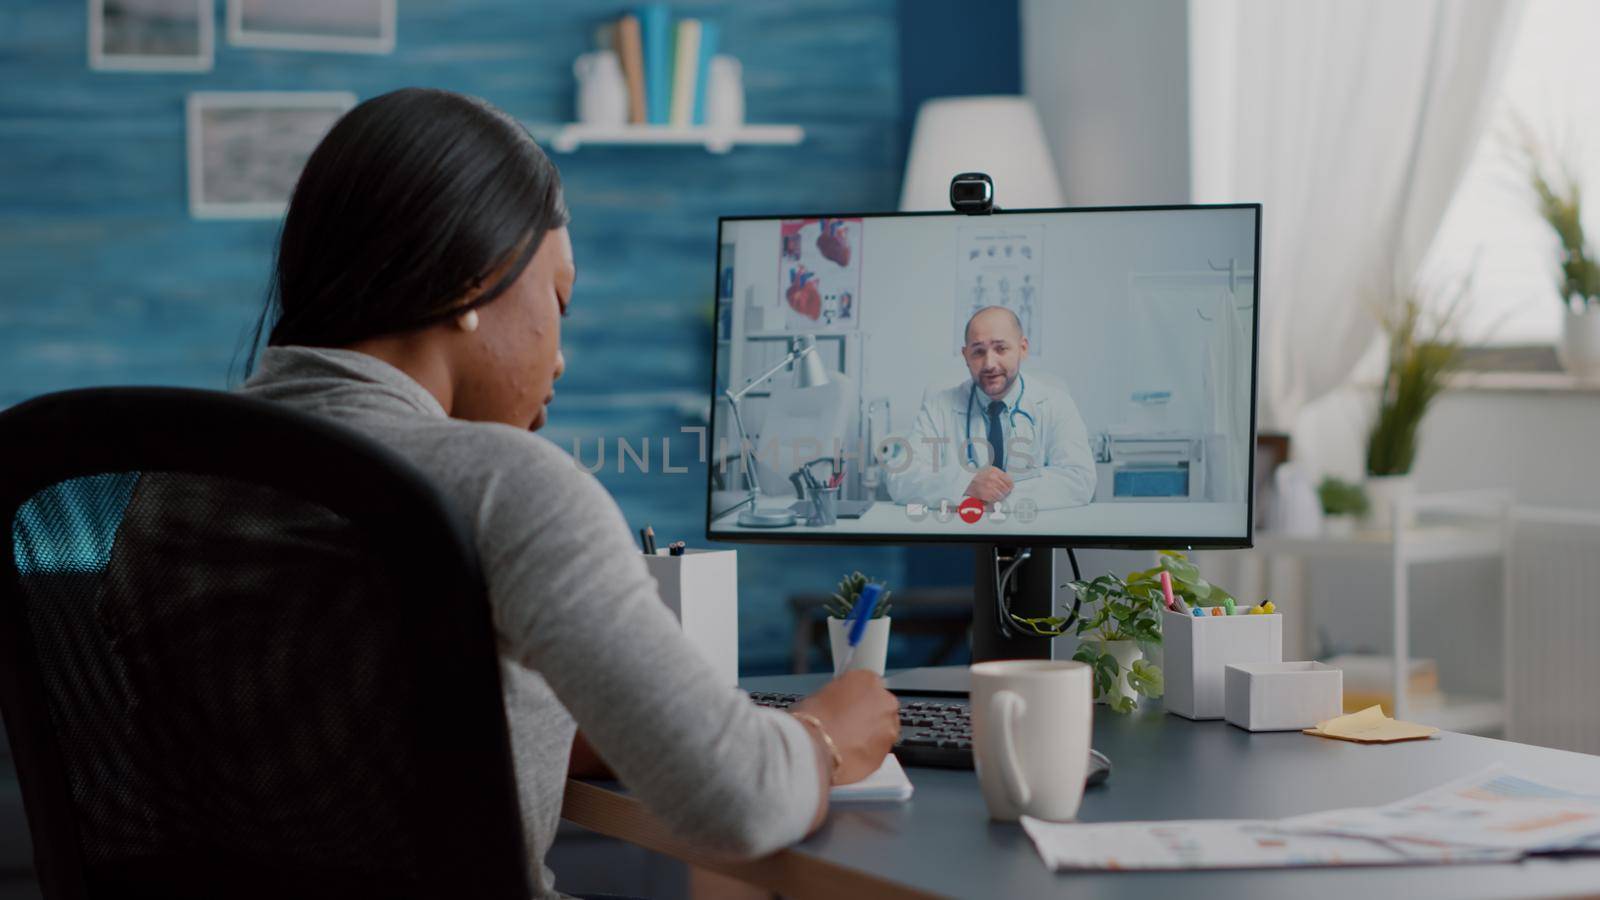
<point>568,138</point>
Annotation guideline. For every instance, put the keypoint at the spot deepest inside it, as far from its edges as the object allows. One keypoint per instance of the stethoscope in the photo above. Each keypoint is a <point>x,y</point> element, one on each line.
<point>1016,410</point>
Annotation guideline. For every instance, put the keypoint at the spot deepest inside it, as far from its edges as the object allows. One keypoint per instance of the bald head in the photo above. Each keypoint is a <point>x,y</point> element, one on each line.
<point>995,320</point>
<point>994,350</point>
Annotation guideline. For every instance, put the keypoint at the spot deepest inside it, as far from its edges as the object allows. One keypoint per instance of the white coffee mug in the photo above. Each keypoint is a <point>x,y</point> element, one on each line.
<point>1031,723</point>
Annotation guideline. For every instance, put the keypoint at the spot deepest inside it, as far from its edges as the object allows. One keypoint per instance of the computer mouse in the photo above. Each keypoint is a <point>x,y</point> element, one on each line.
<point>1099,768</point>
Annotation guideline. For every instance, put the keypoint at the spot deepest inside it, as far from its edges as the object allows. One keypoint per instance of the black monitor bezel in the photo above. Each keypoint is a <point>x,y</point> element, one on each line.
<point>1121,542</point>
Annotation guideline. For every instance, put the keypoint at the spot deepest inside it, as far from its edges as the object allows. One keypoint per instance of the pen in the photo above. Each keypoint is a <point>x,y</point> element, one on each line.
<point>676,548</point>
<point>859,614</point>
<point>1166,587</point>
<point>648,535</point>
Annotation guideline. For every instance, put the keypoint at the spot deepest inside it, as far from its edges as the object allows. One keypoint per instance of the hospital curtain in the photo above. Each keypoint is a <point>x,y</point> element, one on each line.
<point>1351,121</point>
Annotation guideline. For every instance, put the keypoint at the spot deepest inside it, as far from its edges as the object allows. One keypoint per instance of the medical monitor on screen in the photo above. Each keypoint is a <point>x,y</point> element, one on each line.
<point>1077,377</point>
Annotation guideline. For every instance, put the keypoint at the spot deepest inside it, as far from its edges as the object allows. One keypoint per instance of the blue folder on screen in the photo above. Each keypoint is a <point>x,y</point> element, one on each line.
<point>655,34</point>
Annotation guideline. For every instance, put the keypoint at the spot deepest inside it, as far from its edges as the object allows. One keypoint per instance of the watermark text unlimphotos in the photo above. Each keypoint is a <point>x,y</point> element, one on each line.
<point>895,454</point>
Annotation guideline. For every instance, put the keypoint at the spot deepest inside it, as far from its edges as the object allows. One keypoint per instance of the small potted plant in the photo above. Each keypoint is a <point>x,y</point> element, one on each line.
<point>873,650</point>
<point>1554,177</point>
<point>1116,618</point>
<point>1423,350</point>
<point>1342,504</point>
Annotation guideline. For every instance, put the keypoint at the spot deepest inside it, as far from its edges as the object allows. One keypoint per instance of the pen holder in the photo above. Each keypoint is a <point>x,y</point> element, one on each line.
<point>701,587</point>
<point>1198,648</point>
<point>823,509</point>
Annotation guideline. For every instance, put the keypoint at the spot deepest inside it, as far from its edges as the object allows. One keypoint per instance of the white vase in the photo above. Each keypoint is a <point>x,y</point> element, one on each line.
<point>1389,496</point>
<point>1296,511</point>
<point>1125,653</point>
<point>602,90</point>
<point>725,93</point>
<point>1579,350</point>
<point>870,654</point>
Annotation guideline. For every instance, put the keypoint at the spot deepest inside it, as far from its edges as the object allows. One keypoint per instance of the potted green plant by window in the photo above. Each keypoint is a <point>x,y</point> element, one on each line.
<point>1342,504</point>
<point>1558,194</point>
<point>1423,350</point>
<point>873,650</point>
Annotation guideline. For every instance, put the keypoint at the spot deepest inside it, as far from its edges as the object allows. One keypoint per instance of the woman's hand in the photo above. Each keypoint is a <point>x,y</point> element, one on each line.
<point>862,718</point>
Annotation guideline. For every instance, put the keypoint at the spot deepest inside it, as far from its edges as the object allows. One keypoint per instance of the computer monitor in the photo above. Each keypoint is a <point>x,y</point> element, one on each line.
<point>1040,378</point>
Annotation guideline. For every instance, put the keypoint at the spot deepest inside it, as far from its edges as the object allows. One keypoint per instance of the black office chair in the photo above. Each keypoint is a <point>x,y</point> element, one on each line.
<point>244,652</point>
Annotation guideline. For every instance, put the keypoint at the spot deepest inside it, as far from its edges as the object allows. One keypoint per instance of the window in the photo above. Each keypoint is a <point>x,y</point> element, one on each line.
<point>1492,227</point>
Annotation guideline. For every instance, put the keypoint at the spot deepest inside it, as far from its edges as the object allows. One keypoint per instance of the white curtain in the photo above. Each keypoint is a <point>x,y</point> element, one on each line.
<point>1351,122</point>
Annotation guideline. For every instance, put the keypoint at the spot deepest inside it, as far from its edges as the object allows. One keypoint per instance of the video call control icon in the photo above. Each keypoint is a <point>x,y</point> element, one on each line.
<point>1026,510</point>
<point>945,511</point>
<point>970,510</point>
<point>916,510</point>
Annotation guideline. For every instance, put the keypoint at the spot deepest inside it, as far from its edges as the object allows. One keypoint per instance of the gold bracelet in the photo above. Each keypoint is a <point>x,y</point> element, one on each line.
<point>827,739</point>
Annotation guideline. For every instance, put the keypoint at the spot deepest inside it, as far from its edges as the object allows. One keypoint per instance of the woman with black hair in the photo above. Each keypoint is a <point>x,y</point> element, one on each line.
<point>422,274</point>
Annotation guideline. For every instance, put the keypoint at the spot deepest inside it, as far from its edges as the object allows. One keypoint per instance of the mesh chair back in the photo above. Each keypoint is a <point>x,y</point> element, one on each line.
<point>247,653</point>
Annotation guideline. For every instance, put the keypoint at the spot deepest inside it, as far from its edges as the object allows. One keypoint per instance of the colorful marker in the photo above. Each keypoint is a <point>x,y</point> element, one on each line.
<point>1166,588</point>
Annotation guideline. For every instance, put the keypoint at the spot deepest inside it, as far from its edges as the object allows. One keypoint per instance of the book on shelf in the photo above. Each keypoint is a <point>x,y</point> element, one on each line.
<point>685,62</point>
<point>630,52</point>
<point>655,31</point>
<point>1369,679</point>
<point>666,64</point>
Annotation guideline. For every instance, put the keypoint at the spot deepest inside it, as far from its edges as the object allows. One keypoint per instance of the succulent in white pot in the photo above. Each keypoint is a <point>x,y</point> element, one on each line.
<point>872,651</point>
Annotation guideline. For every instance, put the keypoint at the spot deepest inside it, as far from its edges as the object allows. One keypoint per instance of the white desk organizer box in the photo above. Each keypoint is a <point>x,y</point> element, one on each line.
<point>1282,696</point>
<point>1197,648</point>
<point>701,587</point>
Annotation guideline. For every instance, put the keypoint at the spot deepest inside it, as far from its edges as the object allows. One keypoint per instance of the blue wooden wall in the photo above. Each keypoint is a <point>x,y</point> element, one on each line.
<point>104,279</point>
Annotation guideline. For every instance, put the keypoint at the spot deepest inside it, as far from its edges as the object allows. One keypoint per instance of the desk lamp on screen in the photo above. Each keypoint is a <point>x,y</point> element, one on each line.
<point>1059,378</point>
<point>809,373</point>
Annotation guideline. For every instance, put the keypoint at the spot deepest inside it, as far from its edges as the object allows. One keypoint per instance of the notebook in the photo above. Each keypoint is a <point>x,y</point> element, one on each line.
<point>888,783</point>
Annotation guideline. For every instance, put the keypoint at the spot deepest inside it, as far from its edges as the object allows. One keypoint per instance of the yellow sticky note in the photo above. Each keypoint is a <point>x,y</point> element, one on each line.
<point>1371,726</point>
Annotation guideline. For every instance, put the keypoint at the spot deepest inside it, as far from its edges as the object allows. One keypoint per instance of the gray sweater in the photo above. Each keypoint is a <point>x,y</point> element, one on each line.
<point>585,641</point>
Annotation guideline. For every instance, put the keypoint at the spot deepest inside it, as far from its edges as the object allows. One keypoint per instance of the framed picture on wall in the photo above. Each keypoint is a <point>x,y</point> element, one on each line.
<point>151,35</point>
<point>246,149</point>
<point>340,26</point>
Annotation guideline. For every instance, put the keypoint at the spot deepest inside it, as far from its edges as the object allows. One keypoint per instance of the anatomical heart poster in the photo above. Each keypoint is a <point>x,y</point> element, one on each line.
<point>819,274</point>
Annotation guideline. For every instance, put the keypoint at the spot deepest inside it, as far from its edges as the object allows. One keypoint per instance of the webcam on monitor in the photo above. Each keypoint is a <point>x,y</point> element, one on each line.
<point>972,193</point>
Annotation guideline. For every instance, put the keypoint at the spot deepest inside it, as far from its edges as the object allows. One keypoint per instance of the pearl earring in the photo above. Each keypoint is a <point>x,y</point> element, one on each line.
<point>469,322</point>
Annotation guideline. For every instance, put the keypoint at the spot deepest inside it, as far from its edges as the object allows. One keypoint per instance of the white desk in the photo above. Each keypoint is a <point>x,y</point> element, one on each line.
<point>942,843</point>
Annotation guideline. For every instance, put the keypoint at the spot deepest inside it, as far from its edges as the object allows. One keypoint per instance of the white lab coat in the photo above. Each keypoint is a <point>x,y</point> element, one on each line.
<point>1051,463</point>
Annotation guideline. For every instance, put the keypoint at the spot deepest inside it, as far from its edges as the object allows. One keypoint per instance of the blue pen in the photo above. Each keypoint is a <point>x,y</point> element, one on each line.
<point>860,614</point>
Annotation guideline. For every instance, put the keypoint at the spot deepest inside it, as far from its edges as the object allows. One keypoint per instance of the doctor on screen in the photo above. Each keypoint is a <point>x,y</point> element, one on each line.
<point>999,435</point>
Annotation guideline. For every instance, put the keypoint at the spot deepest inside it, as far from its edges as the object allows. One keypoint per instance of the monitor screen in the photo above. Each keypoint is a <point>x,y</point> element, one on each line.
<point>1081,377</point>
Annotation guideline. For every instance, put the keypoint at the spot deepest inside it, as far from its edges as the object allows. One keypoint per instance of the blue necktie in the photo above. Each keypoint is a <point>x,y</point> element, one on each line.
<point>997,438</point>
